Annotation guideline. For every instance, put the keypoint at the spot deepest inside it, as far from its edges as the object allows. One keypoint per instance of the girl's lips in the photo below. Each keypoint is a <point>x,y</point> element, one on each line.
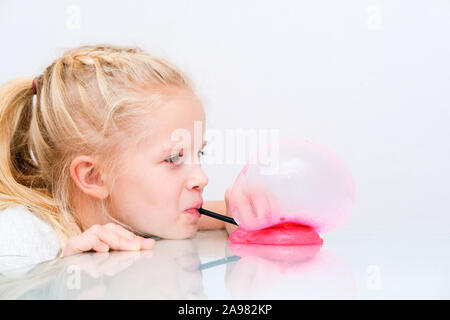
<point>193,211</point>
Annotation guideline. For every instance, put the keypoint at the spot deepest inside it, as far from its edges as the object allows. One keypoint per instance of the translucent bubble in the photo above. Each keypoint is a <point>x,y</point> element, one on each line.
<point>302,183</point>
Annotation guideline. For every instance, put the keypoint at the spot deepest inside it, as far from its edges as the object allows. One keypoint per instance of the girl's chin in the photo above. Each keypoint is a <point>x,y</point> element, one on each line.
<point>190,232</point>
<point>184,232</point>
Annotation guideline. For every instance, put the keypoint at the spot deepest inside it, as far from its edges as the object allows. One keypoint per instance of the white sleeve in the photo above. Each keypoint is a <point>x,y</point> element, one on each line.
<point>25,239</point>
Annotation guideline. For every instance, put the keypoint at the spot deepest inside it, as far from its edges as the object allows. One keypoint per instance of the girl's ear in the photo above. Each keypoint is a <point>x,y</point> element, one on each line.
<point>85,174</point>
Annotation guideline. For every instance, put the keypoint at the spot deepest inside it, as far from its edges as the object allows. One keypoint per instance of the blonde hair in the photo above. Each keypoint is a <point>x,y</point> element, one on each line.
<point>86,102</point>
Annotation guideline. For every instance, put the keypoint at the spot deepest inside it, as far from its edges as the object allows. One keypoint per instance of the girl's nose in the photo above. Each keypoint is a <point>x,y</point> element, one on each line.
<point>198,179</point>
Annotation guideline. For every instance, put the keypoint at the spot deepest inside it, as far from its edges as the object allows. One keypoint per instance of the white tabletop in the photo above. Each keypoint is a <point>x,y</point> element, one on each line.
<point>347,266</point>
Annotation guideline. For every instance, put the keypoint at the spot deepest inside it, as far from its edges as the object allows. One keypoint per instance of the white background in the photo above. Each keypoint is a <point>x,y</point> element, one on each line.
<point>369,80</point>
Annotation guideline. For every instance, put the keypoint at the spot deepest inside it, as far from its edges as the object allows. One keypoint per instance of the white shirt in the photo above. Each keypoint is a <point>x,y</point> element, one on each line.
<point>25,239</point>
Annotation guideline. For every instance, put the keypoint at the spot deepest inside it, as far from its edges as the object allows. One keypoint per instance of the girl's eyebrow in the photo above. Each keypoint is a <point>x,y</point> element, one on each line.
<point>170,147</point>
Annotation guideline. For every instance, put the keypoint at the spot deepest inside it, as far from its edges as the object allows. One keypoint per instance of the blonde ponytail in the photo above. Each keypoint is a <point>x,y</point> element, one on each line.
<point>20,179</point>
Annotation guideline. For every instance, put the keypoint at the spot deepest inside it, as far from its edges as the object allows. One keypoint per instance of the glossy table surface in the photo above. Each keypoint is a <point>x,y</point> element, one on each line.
<point>347,266</point>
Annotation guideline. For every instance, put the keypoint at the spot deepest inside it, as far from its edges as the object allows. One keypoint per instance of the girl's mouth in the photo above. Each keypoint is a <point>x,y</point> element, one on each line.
<point>193,211</point>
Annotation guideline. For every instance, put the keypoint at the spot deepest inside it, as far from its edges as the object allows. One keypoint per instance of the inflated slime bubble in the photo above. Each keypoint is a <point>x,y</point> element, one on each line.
<point>302,191</point>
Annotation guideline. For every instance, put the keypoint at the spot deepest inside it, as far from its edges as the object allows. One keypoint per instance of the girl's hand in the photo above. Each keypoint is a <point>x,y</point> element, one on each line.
<point>102,238</point>
<point>228,226</point>
<point>254,206</point>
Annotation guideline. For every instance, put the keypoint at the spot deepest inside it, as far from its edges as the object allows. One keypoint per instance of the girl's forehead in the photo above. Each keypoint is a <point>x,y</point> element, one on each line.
<point>180,112</point>
<point>180,122</point>
<point>169,138</point>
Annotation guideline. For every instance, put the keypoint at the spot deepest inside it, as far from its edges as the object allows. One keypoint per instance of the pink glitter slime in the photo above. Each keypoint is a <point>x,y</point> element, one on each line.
<point>308,190</point>
<point>287,234</point>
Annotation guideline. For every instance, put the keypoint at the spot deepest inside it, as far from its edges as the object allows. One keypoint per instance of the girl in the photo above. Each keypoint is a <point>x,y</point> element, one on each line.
<point>88,160</point>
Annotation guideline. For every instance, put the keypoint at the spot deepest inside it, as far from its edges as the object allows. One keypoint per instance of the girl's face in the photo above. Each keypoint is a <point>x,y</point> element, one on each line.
<point>163,177</point>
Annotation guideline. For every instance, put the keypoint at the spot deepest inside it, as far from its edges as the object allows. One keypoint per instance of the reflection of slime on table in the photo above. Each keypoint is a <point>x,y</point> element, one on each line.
<point>287,255</point>
<point>303,271</point>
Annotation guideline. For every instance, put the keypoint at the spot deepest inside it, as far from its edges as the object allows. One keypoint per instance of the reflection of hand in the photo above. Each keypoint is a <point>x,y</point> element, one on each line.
<point>101,238</point>
<point>169,271</point>
<point>106,263</point>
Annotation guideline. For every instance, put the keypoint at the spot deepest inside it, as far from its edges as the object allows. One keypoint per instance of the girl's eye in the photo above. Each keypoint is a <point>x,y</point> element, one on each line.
<point>175,158</point>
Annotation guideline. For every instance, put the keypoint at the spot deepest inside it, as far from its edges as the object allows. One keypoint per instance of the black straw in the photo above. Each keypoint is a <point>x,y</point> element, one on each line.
<point>217,216</point>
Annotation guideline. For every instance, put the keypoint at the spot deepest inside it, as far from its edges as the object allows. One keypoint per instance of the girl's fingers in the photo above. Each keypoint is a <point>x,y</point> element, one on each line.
<point>120,230</point>
<point>103,238</point>
<point>145,243</point>
<point>244,207</point>
<point>100,246</point>
<point>227,196</point>
<point>84,242</point>
<point>114,239</point>
<point>262,207</point>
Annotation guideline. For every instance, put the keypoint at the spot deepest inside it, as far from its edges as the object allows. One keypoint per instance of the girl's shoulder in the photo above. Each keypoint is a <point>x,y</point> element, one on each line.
<point>25,236</point>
